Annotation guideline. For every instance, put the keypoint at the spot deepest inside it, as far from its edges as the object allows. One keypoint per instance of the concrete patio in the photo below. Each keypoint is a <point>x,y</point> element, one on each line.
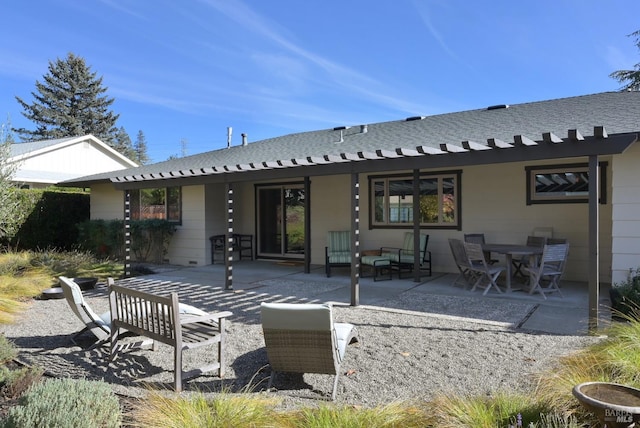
<point>558,315</point>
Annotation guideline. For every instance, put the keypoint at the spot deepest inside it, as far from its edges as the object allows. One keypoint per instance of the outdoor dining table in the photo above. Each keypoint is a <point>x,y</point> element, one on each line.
<point>510,250</point>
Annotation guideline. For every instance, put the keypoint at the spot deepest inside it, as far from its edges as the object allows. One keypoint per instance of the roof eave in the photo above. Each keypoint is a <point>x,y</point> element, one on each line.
<point>550,147</point>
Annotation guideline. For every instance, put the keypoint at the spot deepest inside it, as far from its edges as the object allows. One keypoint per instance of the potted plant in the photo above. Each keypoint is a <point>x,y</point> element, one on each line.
<point>625,297</point>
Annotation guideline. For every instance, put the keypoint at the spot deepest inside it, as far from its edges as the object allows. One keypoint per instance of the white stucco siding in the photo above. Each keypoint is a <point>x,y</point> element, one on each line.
<point>107,203</point>
<point>626,213</point>
<point>188,245</point>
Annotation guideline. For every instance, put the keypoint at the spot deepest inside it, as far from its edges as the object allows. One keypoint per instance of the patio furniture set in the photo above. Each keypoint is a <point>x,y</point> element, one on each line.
<point>540,262</point>
<point>302,338</point>
<point>381,262</point>
<point>299,338</point>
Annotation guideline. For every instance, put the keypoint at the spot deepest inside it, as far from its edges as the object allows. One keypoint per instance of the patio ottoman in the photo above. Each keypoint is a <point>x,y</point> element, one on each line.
<point>378,264</point>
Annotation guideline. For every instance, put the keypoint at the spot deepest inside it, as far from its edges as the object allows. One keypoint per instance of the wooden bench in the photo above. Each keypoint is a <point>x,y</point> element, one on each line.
<point>163,319</point>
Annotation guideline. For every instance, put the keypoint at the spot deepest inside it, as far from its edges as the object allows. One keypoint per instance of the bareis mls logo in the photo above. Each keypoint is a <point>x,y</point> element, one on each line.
<point>618,415</point>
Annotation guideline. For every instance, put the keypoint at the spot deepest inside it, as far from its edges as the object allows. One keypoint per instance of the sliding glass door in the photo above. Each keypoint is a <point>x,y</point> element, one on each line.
<point>281,221</point>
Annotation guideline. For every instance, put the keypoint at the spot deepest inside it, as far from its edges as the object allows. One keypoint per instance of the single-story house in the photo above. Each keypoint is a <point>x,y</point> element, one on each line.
<point>568,165</point>
<point>48,162</point>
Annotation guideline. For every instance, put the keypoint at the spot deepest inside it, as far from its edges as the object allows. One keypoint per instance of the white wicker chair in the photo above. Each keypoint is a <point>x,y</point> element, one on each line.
<point>302,338</point>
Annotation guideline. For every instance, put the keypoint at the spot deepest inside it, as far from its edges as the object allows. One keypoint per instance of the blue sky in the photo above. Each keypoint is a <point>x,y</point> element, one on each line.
<point>183,71</point>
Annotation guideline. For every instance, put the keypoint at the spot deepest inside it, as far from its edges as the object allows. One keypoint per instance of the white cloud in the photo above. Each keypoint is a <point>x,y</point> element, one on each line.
<point>342,78</point>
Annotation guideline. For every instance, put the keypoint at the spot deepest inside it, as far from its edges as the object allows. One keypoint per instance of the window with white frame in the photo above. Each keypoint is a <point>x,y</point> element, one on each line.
<point>567,183</point>
<point>163,203</point>
<point>392,200</point>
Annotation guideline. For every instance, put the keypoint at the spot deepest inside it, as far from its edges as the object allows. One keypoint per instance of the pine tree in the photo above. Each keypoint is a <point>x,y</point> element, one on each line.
<point>69,102</point>
<point>629,78</point>
<point>122,143</point>
<point>140,147</point>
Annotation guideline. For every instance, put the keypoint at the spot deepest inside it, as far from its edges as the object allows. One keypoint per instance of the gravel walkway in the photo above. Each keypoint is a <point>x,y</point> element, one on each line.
<point>415,347</point>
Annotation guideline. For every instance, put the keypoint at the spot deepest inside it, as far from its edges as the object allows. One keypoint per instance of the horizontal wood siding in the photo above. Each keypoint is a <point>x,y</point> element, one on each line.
<point>107,203</point>
<point>80,159</point>
<point>626,213</point>
<point>187,244</point>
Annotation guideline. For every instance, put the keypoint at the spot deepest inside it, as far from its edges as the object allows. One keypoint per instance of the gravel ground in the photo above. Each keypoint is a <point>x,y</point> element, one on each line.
<point>415,347</point>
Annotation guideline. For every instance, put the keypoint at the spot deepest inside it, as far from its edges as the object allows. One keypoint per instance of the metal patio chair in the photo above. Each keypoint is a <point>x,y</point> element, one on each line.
<point>338,250</point>
<point>402,258</point>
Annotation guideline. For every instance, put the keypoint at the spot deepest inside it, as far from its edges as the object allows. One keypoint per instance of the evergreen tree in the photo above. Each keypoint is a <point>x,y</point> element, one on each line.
<point>70,102</point>
<point>122,143</point>
<point>629,78</point>
<point>140,147</point>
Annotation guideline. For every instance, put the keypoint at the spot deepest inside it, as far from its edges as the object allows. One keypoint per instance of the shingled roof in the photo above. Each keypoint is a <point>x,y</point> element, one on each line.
<point>601,123</point>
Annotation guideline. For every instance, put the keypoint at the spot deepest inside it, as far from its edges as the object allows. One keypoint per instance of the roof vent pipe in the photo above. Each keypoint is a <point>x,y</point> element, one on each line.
<point>364,129</point>
<point>498,107</point>
<point>229,133</point>
<point>244,139</point>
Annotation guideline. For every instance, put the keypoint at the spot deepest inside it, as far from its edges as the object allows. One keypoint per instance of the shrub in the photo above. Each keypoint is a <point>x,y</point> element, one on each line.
<point>15,382</point>
<point>501,410</point>
<point>614,359</point>
<point>625,297</point>
<point>104,238</point>
<point>8,350</point>
<point>46,218</point>
<point>226,410</point>
<point>66,403</point>
<point>388,416</point>
<point>149,238</point>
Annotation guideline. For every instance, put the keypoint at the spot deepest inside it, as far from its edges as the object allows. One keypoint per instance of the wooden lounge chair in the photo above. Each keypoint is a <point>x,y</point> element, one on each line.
<point>302,338</point>
<point>99,325</point>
